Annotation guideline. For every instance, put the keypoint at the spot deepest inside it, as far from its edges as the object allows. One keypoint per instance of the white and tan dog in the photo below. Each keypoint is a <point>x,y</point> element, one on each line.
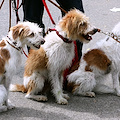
<point>24,33</point>
<point>94,67</point>
<point>49,62</point>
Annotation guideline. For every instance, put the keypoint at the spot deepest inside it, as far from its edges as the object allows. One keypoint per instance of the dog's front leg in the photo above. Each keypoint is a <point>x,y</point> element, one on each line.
<point>61,84</point>
<point>57,90</point>
<point>115,77</point>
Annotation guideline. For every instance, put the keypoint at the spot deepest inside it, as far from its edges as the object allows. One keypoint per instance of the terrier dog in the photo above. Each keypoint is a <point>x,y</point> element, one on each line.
<point>24,33</point>
<point>49,62</point>
<point>95,65</point>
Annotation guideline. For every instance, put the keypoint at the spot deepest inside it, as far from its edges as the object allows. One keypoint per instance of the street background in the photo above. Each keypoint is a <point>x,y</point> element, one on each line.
<point>102,107</point>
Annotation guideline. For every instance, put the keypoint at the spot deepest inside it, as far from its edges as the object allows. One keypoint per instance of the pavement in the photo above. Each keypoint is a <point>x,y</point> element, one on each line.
<point>102,107</point>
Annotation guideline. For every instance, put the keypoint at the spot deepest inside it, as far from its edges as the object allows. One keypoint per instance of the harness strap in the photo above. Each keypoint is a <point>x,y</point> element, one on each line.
<point>66,40</point>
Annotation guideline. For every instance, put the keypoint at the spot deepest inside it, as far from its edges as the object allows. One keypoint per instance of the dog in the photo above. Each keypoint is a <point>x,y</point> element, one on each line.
<point>95,66</point>
<point>24,33</point>
<point>49,62</point>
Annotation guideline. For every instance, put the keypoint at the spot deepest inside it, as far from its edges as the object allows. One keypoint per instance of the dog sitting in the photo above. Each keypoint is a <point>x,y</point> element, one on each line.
<point>24,33</point>
<point>95,66</point>
<point>49,62</point>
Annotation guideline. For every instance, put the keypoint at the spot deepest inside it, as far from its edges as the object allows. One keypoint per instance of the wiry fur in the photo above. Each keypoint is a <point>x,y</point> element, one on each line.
<point>95,65</point>
<point>49,62</point>
<point>22,34</point>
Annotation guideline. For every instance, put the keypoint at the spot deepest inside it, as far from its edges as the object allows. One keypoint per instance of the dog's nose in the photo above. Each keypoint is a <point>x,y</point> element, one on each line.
<point>43,41</point>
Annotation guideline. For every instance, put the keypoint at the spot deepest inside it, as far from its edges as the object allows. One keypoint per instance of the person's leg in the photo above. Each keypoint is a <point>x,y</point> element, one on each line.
<point>33,11</point>
<point>70,4</point>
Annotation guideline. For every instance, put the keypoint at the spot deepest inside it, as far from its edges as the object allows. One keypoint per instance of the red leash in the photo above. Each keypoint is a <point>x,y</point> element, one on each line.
<point>44,3</point>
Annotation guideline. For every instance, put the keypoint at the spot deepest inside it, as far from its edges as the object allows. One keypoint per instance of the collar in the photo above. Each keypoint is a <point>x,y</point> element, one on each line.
<point>12,44</point>
<point>66,40</point>
<point>19,49</point>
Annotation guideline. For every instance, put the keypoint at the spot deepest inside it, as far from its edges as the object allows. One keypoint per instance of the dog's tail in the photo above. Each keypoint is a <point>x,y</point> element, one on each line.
<point>17,88</point>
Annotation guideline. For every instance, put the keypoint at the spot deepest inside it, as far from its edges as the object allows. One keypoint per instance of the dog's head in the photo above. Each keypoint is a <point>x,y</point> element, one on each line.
<point>27,33</point>
<point>77,26</point>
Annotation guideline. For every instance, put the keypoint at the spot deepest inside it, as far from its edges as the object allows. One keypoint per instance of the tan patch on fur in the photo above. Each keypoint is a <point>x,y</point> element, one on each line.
<point>2,43</point>
<point>74,23</point>
<point>20,31</point>
<point>2,66</point>
<point>20,88</point>
<point>97,58</point>
<point>75,87</point>
<point>5,54</point>
<point>30,86</point>
<point>37,60</point>
<point>87,68</point>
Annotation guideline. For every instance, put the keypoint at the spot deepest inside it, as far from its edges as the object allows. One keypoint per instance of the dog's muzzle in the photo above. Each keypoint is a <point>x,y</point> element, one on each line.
<point>93,31</point>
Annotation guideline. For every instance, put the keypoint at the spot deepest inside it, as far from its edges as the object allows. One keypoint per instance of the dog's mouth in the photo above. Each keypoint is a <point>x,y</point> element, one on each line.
<point>88,36</point>
<point>36,46</point>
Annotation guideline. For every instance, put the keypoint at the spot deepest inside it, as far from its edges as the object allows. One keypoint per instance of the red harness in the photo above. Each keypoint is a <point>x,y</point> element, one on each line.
<point>66,40</point>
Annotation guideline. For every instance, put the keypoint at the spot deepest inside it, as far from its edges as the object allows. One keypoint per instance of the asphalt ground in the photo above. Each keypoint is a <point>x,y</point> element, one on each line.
<point>102,107</point>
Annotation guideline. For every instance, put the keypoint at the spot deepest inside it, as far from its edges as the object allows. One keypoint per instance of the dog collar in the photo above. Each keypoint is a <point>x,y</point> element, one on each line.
<point>66,40</point>
<point>12,44</point>
<point>19,49</point>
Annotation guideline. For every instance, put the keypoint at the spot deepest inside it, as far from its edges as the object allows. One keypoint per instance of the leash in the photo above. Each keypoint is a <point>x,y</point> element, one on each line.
<point>57,6</point>
<point>9,14</point>
<point>44,3</point>
<point>16,7</point>
<point>112,35</point>
<point>2,4</point>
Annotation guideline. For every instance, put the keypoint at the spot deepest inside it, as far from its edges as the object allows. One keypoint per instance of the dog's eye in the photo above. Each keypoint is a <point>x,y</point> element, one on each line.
<point>32,34</point>
<point>84,24</point>
<point>41,33</point>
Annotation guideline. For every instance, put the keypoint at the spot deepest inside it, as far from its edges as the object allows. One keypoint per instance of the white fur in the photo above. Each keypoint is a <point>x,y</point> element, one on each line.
<point>94,81</point>
<point>15,59</point>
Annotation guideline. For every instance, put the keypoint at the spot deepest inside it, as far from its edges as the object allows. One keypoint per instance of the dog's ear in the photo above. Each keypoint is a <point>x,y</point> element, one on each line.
<point>21,32</point>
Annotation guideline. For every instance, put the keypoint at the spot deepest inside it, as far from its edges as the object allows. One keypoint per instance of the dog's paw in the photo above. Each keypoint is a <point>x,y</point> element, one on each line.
<point>66,96</point>
<point>62,101</point>
<point>42,98</point>
<point>37,97</point>
<point>118,93</point>
<point>90,94</point>
<point>3,108</point>
<point>10,105</point>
